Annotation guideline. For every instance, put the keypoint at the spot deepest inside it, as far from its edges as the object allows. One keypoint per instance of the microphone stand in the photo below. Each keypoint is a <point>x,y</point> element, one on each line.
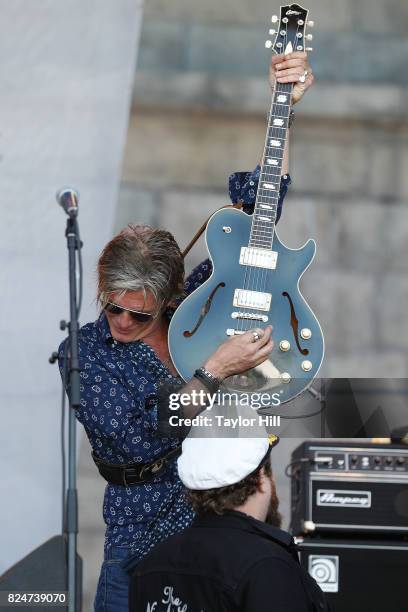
<point>73,382</point>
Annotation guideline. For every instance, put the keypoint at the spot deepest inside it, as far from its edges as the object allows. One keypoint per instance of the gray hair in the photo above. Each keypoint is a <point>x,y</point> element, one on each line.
<point>143,258</point>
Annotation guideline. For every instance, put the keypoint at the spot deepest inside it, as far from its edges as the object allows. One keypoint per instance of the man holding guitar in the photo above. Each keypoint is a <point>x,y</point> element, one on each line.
<point>124,356</point>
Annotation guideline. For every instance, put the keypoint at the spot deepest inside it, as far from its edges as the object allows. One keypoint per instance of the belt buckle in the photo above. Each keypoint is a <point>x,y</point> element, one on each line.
<point>152,468</point>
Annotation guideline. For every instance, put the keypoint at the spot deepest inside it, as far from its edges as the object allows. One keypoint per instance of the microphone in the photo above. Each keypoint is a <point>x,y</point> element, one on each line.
<point>68,198</point>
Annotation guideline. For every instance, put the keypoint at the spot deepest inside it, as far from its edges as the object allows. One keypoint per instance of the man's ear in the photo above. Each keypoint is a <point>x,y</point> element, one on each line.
<point>261,481</point>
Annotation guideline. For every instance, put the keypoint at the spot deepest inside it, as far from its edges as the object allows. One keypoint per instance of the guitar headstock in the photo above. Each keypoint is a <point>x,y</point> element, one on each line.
<point>290,30</point>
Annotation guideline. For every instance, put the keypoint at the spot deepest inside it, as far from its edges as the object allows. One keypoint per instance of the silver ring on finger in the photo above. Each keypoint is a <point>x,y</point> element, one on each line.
<point>256,336</point>
<point>302,79</point>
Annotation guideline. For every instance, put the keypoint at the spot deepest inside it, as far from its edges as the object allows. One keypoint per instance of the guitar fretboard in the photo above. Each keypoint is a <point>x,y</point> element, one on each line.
<point>266,205</point>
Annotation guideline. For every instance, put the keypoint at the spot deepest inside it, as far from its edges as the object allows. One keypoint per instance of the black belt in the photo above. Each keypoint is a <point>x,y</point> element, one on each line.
<point>131,474</point>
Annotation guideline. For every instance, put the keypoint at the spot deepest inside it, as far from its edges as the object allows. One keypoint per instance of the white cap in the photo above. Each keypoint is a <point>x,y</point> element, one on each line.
<point>211,463</point>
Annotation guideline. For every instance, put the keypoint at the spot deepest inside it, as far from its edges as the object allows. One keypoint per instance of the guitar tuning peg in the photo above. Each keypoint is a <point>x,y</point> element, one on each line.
<point>309,36</point>
<point>272,32</point>
<point>309,49</point>
<point>274,18</point>
<point>310,24</point>
<point>268,44</point>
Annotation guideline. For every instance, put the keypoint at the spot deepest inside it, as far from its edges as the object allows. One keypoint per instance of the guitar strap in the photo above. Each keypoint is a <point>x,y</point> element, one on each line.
<point>204,225</point>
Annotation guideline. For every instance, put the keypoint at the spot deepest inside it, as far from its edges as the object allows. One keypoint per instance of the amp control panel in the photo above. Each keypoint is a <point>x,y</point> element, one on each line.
<point>360,460</point>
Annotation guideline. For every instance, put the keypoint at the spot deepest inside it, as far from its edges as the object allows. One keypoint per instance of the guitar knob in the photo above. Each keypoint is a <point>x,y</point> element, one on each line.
<point>307,365</point>
<point>310,23</point>
<point>309,36</point>
<point>274,19</point>
<point>286,377</point>
<point>306,333</point>
<point>268,44</point>
<point>284,345</point>
<point>309,49</point>
<point>272,32</point>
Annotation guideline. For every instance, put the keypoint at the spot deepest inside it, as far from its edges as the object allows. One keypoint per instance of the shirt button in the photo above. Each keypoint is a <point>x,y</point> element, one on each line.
<point>251,183</point>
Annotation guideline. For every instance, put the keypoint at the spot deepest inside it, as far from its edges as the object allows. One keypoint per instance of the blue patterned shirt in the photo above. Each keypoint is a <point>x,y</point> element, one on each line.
<point>116,380</point>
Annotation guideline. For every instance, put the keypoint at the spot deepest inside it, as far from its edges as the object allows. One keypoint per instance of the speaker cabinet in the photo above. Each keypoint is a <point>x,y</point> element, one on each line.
<point>365,575</point>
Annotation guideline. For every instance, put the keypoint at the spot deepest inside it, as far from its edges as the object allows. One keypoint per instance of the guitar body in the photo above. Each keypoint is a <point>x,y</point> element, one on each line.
<point>201,323</point>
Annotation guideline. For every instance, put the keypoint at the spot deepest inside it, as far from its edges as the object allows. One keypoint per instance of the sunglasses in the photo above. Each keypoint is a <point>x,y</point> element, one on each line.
<point>139,317</point>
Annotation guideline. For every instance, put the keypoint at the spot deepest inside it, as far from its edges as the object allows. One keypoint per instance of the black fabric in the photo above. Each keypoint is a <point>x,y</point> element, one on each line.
<point>225,563</point>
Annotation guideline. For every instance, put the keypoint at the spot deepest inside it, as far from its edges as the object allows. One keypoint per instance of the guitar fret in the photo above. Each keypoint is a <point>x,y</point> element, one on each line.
<point>266,245</point>
<point>266,176</point>
<point>258,217</point>
<point>261,236</point>
<point>259,222</point>
<point>269,194</point>
<point>274,154</point>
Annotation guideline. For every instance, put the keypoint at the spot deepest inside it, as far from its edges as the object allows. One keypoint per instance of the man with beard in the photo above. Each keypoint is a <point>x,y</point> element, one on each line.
<point>234,557</point>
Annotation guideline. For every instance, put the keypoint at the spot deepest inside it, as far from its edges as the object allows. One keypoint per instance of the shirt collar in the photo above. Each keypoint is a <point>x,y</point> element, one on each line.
<point>104,329</point>
<point>239,520</point>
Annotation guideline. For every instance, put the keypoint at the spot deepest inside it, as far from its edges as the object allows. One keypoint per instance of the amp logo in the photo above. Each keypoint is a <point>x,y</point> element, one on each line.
<point>325,570</point>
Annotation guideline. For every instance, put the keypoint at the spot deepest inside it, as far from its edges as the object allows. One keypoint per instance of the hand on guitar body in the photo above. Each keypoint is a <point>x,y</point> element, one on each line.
<point>240,353</point>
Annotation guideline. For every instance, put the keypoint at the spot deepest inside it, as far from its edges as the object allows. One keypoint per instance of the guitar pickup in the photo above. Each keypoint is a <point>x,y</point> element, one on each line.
<point>258,258</point>
<point>252,299</point>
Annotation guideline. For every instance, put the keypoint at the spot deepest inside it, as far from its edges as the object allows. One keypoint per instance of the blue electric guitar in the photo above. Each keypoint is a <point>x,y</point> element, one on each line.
<point>255,278</point>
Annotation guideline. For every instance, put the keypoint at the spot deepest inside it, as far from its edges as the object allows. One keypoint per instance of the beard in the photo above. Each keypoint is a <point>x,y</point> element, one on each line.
<point>273,516</point>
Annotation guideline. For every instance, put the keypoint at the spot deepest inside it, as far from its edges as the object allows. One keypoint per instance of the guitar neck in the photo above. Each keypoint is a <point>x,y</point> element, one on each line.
<point>266,205</point>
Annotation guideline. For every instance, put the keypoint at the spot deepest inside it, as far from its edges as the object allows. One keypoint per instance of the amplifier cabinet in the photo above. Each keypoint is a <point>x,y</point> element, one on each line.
<point>349,487</point>
<point>365,575</point>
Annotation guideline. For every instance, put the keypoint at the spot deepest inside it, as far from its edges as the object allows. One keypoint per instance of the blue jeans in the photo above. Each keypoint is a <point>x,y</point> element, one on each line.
<point>113,585</point>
